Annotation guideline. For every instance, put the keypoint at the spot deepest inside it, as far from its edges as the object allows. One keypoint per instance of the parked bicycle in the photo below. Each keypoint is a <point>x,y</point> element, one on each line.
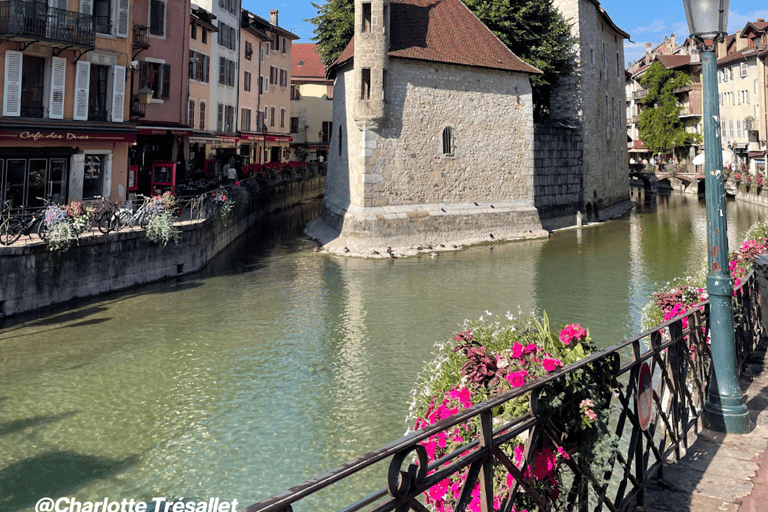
<point>121,217</point>
<point>28,221</point>
<point>105,216</point>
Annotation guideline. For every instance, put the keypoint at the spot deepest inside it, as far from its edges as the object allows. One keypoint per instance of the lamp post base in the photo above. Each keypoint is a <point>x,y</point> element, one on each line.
<point>726,414</point>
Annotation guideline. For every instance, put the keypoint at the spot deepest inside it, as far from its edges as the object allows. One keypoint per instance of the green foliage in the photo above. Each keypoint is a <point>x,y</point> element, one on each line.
<point>533,29</point>
<point>334,28</point>
<point>161,230</point>
<point>659,124</point>
<point>536,32</point>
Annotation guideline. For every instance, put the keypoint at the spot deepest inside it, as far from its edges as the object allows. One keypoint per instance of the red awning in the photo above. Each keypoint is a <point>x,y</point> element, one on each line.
<point>753,154</point>
<point>269,138</point>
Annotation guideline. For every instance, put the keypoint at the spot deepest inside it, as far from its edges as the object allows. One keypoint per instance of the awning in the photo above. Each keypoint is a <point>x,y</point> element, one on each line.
<point>72,137</point>
<point>203,138</point>
<point>268,138</point>
<point>755,154</point>
<point>164,130</point>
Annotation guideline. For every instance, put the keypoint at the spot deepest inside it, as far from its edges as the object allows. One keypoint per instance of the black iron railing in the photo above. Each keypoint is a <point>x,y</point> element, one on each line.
<point>138,109</point>
<point>679,361</point>
<point>34,20</point>
<point>140,39</point>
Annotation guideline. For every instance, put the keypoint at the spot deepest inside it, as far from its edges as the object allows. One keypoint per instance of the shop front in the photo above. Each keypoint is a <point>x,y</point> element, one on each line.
<point>264,149</point>
<point>160,145</point>
<point>63,165</point>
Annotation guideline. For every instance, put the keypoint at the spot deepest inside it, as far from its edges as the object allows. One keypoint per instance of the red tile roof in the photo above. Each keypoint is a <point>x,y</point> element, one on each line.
<point>674,61</point>
<point>741,55</point>
<point>306,63</point>
<point>444,31</point>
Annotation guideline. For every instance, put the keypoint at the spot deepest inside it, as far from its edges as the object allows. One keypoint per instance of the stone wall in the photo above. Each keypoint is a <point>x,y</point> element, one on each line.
<point>34,277</point>
<point>558,183</point>
<point>593,96</point>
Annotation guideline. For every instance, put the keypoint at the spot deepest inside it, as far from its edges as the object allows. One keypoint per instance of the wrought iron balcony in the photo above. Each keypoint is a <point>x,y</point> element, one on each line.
<point>140,39</point>
<point>20,20</point>
<point>138,109</point>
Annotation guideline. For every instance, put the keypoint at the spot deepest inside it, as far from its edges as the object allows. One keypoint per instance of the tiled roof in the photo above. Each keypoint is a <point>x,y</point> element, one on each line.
<point>444,31</point>
<point>305,62</point>
<point>743,54</point>
<point>674,61</point>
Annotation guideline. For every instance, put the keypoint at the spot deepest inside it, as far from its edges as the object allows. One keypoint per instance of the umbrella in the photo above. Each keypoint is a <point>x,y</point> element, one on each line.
<point>727,158</point>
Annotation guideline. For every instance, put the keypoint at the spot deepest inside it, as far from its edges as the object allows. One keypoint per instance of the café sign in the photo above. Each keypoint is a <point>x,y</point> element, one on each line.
<point>49,136</point>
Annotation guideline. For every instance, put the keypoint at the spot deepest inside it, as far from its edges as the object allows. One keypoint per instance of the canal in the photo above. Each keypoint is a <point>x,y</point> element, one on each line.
<point>277,363</point>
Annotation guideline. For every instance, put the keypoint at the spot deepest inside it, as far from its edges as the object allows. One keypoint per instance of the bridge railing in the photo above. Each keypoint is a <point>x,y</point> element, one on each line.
<point>678,356</point>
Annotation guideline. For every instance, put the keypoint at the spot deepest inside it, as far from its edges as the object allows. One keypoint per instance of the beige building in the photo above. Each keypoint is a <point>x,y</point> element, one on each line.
<point>65,129</point>
<point>311,104</point>
<point>593,96</point>
<point>741,76</point>
<point>432,133</point>
<point>253,38</point>
<point>203,31</point>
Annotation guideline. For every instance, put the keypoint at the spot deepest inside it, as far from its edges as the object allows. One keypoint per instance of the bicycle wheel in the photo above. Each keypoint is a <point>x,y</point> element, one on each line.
<point>42,230</point>
<point>10,231</point>
<point>107,222</point>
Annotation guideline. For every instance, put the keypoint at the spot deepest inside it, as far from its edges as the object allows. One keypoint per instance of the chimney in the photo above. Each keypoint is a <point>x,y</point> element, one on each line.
<point>761,20</point>
<point>648,47</point>
<point>273,17</point>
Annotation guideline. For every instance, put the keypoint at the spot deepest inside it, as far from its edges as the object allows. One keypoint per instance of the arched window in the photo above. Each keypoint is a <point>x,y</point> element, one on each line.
<point>449,143</point>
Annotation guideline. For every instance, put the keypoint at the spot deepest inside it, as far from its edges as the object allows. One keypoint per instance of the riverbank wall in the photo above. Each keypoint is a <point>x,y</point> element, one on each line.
<point>34,277</point>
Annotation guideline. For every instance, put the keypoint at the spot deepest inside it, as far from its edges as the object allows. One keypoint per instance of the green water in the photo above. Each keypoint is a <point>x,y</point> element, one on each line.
<point>277,363</point>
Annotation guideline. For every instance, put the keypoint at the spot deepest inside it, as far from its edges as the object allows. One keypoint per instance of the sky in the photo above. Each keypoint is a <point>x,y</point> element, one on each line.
<point>647,21</point>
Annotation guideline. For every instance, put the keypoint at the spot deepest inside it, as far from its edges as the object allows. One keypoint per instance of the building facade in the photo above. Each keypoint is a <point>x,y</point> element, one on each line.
<point>419,152</point>
<point>311,104</point>
<point>593,97</point>
<point>63,130</point>
<point>202,34</point>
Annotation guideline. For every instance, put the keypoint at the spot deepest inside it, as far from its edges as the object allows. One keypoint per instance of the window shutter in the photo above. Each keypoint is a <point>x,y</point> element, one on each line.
<point>166,81</point>
<point>12,92</point>
<point>86,7</point>
<point>123,7</point>
<point>58,86</point>
<point>118,94</point>
<point>143,73</point>
<point>207,71</point>
<point>82,79</point>
<point>222,70</point>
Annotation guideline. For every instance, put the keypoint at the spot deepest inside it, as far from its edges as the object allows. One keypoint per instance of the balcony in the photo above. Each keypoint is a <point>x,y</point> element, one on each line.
<point>638,95</point>
<point>138,109</point>
<point>33,22</point>
<point>140,39</point>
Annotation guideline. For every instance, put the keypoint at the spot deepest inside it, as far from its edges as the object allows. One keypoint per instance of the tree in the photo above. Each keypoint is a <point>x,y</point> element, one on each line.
<point>659,124</point>
<point>334,28</point>
<point>534,30</point>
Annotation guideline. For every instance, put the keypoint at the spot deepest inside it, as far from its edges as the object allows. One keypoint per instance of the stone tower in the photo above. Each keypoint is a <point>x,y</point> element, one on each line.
<point>371,62</point>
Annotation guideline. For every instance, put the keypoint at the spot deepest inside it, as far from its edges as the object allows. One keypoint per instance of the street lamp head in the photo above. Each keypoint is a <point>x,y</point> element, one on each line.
<point>707,19</point>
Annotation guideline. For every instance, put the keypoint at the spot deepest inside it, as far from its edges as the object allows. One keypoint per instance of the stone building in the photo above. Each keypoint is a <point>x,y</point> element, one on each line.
<point>593,98</point>
<point>432,133</point>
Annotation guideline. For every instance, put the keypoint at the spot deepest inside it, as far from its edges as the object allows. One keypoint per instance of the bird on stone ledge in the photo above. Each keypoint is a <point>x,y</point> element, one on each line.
<point>346,249</point>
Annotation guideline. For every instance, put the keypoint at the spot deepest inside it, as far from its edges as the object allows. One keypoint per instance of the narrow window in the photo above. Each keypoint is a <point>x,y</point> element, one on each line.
<point>157,18</point>
<point>365,84</point>
<point>202,115</point>
<point>384,85</point>
<point>366,17</point>
<point>191,120</point>
<point>448,142</point>
<point>340,135</point>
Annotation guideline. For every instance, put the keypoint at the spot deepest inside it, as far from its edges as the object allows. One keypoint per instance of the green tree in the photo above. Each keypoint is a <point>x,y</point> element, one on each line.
<point>533,29</point>
<point>659,124</point>
<point>536,32</point>
<point>334,28</point>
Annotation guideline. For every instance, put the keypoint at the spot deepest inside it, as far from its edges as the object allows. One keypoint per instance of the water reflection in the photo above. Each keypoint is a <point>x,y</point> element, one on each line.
<point>276,363</point>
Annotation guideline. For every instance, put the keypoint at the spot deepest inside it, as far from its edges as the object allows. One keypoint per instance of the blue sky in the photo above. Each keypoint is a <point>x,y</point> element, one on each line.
<point>645,21</point>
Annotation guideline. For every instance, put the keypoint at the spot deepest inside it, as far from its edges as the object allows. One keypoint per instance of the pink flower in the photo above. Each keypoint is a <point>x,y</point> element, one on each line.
<point>550,364</point>
<point>517,379</point>
<point>545,464</point>
<point>589,413</point>
<point>519,454</point>
<point>441,439</point>
<point>572,332</point>
<point>517,351</point>
<point>563,453</point>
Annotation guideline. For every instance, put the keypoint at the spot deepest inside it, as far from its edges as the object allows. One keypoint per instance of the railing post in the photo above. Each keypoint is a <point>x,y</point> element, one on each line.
<point>486,473</point>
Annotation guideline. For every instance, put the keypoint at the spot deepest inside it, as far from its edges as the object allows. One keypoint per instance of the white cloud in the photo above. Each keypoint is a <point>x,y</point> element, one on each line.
<point>737,20</point>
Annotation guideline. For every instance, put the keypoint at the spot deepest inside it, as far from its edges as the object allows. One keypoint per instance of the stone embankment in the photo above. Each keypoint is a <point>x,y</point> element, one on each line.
<point>34,277</point>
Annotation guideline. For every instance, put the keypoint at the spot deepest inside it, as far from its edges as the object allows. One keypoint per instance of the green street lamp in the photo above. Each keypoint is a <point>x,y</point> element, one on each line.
<point>724,410</point>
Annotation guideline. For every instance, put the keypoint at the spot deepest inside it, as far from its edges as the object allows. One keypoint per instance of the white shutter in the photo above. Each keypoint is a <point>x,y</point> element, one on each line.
<point>118,94</point>
<point>58,86</point>
<point>86,7</point>
<point>12,92</point>
<point>82,82</point>
<point>122,17</point>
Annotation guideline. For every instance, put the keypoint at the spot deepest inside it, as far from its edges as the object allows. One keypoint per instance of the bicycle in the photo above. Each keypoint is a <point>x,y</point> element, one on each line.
<point>105,218</point>
<point>122,217</point>
<point>13,227</point>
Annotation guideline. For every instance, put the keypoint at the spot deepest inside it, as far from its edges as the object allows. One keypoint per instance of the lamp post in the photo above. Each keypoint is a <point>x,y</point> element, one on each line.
<point>724,409</point>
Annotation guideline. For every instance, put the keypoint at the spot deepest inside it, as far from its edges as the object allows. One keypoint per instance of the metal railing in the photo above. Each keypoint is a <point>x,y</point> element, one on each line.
<point>28,19</point>
<point>679,360</point>
<point>140,39</point>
